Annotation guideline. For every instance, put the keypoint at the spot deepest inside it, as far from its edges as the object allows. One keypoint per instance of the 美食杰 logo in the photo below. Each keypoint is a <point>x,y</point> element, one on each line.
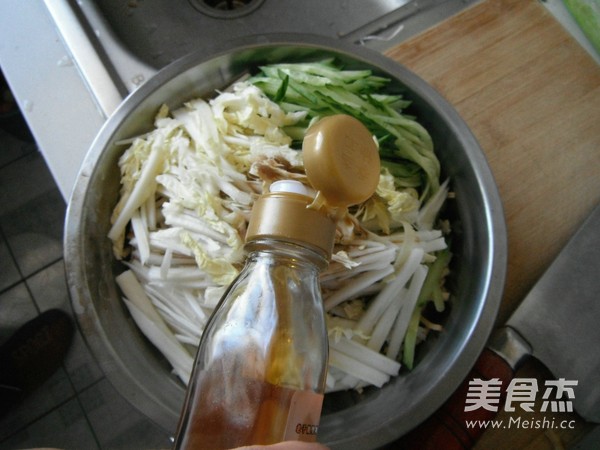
<point>557,395</point>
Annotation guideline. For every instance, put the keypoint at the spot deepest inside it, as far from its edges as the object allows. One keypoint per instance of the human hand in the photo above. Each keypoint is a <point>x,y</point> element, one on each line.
<point>288,445</point>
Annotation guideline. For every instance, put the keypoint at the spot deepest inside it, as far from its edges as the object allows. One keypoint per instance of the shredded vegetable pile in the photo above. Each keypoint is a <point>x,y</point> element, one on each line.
<point>187,189</point>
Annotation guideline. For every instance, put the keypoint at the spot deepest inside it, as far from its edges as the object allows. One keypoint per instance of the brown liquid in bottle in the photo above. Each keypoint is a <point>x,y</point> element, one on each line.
<point>266,414</point>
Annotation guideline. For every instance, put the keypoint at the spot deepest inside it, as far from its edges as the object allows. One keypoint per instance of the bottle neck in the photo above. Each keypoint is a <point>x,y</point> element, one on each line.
<point>286,249</point>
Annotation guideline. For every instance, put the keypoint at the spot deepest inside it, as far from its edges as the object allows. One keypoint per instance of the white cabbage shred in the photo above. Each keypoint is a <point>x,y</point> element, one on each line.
<point>187,189</point>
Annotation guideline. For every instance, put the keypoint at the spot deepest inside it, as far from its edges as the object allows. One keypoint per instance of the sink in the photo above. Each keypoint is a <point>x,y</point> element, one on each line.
<point>174,28</point>
<point>118,45</point>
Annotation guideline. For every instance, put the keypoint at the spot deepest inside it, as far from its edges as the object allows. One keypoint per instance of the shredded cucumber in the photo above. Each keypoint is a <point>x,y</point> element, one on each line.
<point>322,88</point>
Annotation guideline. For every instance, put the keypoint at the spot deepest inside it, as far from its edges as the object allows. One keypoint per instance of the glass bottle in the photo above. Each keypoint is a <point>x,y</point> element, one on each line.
<point>259,374</point>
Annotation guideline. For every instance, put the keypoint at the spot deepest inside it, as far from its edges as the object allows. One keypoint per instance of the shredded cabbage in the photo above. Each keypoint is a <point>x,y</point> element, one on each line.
<point>187,188</point>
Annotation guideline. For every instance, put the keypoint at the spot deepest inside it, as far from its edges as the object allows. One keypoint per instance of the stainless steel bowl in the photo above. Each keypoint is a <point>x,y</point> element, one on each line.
<point>369,420</point>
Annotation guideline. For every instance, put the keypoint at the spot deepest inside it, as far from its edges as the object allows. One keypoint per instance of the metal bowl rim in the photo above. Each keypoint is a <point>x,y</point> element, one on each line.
<point>496,231</point>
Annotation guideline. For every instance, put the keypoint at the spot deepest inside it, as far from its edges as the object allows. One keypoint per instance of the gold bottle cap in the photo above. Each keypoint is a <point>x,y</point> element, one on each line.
<point>285,214</point>
<point>341,160</point>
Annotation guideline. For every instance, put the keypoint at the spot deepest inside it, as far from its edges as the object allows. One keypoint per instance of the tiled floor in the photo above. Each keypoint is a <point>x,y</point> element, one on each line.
<point>77,408</point>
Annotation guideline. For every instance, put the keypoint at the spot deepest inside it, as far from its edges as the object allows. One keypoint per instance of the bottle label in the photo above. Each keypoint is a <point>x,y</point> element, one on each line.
<point>304,415</point>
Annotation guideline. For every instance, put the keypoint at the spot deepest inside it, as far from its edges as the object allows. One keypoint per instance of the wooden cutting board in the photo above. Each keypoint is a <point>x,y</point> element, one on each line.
<point>531,96</point>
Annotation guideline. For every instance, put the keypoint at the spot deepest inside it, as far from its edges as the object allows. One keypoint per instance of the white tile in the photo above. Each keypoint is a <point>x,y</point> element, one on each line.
<point>23,180</point>
<point>34,231</point>
<point>54,392</point>
<point>49,290</point>
<point>9,274</point>
<point>64,427</point>
<point>12,148</point>
<point>16,308</point>
<point>117,424</point>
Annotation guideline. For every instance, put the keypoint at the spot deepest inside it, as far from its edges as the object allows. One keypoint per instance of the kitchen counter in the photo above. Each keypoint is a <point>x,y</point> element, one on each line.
<point>531,96</point>
<point>59,109</point>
